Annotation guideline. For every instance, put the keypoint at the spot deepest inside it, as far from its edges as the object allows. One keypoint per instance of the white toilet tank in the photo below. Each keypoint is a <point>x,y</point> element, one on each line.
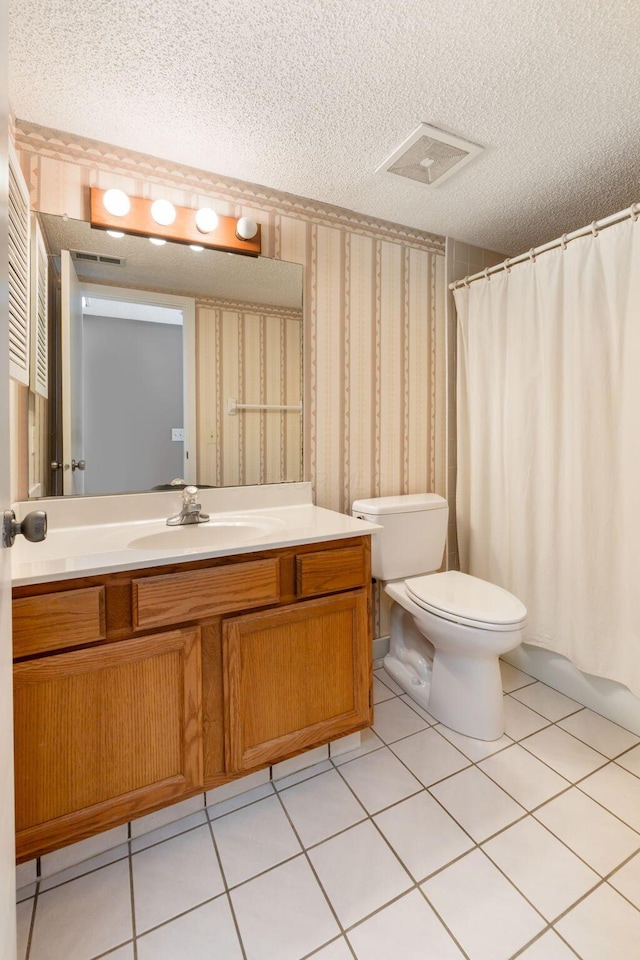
<point>413,535</point>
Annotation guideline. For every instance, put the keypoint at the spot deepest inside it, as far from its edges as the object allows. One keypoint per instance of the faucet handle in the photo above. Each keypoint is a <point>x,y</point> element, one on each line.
<point>190,494</point>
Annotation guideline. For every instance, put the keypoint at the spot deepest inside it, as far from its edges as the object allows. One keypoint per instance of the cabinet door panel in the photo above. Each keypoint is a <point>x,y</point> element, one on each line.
<point>113,726</point>
<point>295,677</point>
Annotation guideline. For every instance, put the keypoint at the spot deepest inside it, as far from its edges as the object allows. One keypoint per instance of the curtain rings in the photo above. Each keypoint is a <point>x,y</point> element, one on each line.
<point>594,228</point>
<point>532,255</point>
<point>634,211</point>
<point>486,273</point>
<point>563,241</point>
<point>507,265</point>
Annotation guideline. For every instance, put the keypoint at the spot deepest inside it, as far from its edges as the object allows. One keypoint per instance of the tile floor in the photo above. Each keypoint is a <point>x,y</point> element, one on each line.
<point>420,845</point>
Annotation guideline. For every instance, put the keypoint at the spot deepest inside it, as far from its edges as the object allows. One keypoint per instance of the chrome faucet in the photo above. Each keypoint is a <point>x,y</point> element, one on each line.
<point>191,510</point>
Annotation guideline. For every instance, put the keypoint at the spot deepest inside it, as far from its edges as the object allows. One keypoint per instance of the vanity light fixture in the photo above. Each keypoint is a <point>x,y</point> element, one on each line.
<point>246,228</point>
<point>116,202</point>
<point>115,233</point>
<point>206,220</point>
<point>163,212</point>
<point>196,247</point>
<point>162,220</point>
<point>158,241</point>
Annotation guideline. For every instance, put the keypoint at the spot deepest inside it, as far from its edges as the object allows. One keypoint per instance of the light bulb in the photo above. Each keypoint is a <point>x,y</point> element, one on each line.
<point>246,228</point>
<point>158,242</point>
<point>115,233</point>
<point>116,202</point>
<point>206,220</point>
<point>196,247</point>
<point>163,212</point>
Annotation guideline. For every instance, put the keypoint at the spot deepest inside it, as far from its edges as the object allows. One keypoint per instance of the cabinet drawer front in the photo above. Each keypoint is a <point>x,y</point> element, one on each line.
<point>179,597</point>
<point>56,620</point>
<point>330,571</point>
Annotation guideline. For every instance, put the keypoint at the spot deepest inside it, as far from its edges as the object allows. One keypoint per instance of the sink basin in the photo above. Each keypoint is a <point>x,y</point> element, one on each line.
<point>212,535</point>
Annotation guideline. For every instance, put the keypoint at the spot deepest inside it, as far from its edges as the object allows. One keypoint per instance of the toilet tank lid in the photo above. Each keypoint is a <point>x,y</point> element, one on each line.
<point>405,503</point>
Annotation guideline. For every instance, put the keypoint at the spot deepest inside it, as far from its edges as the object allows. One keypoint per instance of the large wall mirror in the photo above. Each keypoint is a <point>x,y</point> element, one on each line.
<point>169,363</point>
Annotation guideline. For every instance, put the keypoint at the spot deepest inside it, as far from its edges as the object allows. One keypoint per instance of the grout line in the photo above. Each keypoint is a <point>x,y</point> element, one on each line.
<point>33,917</point>
<point>133,907</point>
<point>226,885</point>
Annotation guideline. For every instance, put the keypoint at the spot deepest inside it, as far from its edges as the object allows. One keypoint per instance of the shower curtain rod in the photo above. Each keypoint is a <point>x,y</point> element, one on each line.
<point>633,211</point>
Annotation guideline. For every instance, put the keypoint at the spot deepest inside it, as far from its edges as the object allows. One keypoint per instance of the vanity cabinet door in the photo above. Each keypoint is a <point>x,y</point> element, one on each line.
<point>103,734</point>
<point>295,678</point>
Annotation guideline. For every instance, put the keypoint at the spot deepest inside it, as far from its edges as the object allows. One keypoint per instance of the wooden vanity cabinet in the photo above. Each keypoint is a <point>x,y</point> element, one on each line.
<point>136,689</point>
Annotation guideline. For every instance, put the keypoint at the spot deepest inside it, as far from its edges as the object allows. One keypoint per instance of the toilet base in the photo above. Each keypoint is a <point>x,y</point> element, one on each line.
<point>447,690</point>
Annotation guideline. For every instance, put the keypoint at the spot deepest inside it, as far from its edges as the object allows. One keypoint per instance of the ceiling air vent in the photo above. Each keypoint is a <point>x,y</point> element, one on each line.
<point>430,156</point>
<point>83,257</point>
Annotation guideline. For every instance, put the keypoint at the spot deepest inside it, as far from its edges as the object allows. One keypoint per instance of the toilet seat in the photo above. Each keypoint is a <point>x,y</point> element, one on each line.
<point>460,598</point>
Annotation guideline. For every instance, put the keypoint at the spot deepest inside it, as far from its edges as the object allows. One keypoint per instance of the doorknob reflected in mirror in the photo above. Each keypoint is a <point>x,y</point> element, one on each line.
<point>57,465</point>
<point>78,464</point>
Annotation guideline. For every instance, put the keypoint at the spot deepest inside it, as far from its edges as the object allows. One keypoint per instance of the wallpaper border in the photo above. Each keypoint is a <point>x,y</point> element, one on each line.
<point>67,147</point>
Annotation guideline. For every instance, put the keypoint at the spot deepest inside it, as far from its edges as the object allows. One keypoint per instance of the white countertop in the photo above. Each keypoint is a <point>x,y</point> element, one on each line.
<point>94,535</point>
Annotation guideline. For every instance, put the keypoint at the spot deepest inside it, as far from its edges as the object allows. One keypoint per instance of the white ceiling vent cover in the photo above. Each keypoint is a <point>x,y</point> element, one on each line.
<point>430,156</point>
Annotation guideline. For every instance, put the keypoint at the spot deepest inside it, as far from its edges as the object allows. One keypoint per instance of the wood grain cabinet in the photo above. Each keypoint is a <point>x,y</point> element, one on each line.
<point>133,690</point>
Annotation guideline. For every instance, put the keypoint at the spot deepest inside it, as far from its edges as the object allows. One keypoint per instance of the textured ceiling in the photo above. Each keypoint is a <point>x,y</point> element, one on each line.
<point>310,96</point>
<point>174,268</point>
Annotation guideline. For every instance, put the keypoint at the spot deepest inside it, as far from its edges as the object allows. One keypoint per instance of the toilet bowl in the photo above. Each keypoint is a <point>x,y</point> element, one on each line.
<point>447,630</point>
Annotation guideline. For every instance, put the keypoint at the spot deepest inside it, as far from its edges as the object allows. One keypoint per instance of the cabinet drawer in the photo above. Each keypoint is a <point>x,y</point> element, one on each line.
<point>329,571</point>
<point>194,595</point>
<point>52,621</point>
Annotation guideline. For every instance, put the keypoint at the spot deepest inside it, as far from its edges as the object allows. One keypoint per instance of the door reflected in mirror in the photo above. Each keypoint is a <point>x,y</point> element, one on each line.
<point>169,363</point>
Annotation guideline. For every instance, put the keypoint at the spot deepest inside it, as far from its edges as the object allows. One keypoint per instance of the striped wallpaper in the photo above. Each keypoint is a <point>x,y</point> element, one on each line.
<point>252,354</point>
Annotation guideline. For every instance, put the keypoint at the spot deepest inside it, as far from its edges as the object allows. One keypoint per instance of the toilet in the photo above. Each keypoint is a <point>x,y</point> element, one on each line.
<point>447,629</point>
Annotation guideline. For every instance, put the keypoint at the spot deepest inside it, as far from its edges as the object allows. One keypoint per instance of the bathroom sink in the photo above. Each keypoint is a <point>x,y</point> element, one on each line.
<point>212,535</point>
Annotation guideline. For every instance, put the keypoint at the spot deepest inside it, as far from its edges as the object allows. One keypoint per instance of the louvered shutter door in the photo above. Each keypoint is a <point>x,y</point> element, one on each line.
<point>18,272</point>
<point>39,311</point>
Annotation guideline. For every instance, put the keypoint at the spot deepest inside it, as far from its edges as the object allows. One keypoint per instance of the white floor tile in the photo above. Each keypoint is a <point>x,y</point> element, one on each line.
<point>512,678</point>
<point>550,876</point>
<point>254,839</point>
<point>546,701</point>
<point>122,953</point>
<point>473,749</point>
<point>85,917</point>
<point>358,872</point>
<point>404,929</point>
<point>25,893</point>
<point>627,881</point>
<point>422,834</point>
<point>417,708</point>
<point>477,804</point>
<point>345,744</point>
<point>393,720</point>
<point>484,912</point>
<point>368,743</point>
<point>602,927</point>
<point>379,779</point>
<point>283,914</point>
<point>75,853</point>
<point>548,947</point>
<point>321,807</point>
<point>169,830</point>
<point>598,732</point>
<point>618,791</point>
<point>193,934</point>
<point>523,777</point>
<point>571,758</point>
<point>173,877</point>
<point>429,756</point>
<point>381,691</point>
<point>388,680</point>
<point>300,775</point>
<point>602,840</point>
<point>338,950</point>
<point>24,912</point>
<point>520,721</point>
<point>177,811</point>
<point>236,802</point>
<point>26,873</point>
<point>631,761</point>
<point>86,866</point>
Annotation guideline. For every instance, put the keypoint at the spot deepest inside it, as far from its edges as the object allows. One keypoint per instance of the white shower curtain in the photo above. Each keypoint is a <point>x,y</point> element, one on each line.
<point>548,495</point>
